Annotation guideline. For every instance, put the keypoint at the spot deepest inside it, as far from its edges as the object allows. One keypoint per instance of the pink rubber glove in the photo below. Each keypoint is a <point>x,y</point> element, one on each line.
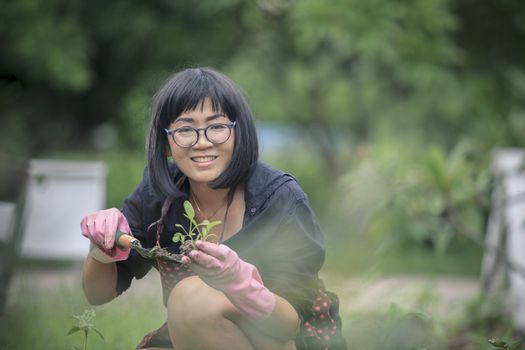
<point>221,268</point>
<point>100,227</point>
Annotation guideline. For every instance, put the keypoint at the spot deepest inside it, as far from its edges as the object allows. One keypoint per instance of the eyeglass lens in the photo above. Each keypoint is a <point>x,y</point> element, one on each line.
<point>188,136</point>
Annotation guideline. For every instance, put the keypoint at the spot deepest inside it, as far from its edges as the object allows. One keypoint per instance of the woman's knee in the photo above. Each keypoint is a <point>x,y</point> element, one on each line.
<point>184,290</point>
<point>195,308</point>
<point>193,302</point>
<point>196,316</point>
<point>192,293</point>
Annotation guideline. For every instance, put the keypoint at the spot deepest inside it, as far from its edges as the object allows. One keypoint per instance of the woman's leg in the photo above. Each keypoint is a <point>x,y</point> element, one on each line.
<point>200,317</point>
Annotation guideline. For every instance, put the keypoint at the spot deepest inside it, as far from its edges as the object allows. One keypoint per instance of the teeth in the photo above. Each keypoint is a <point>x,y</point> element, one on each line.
<point>203,159</point>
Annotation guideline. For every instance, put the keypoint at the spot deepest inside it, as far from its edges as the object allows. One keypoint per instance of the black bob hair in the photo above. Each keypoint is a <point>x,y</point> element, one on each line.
<point>185,91</point>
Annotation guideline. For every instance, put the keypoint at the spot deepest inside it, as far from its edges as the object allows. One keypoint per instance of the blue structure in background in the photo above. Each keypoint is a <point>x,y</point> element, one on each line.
<point>276,137</point>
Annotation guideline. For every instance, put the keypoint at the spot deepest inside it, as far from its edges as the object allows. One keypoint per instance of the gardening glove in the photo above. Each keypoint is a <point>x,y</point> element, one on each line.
<point>100,227</point>
<point>221,268</point>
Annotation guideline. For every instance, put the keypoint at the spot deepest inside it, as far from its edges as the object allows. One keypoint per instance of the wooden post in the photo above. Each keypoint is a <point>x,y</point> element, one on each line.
<point>13,175</point>
<point>505,240</point>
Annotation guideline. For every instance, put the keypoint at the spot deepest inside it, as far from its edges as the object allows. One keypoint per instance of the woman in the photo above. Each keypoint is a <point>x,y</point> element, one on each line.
<point>256,285</point>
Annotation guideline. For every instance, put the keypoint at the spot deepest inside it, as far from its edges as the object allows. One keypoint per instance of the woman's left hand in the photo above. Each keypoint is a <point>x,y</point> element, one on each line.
<point>214,261</point>
<point>221,268</point>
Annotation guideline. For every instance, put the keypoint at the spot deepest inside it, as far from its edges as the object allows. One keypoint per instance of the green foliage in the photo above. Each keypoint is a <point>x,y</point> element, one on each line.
<point>384,93</point>
<point>487,314</point>
<point>397,328</point>
<point>196,231</point>
<point>359,68</point>
<point>85,324</point>
<point>432,198</point>
<point>125,171</point>
<point>48,38</point>
<point>41,312</point>
<point>486,321</point>
<point>81,64</point>
<point>502,344</point>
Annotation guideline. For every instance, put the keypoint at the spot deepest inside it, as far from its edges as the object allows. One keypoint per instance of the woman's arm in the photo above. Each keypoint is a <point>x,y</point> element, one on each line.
<point>99,281</point>
<point>99,277</point>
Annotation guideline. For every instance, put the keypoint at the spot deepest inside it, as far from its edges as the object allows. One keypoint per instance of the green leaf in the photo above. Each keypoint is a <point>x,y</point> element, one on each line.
<point>178,237</point>
<point>189,209</point>
<point>73,330</point>
<point>498,343</point>
<point>515,346</point>
<point>193,223</point>
<point>212,224</point>
<point>96,330</point>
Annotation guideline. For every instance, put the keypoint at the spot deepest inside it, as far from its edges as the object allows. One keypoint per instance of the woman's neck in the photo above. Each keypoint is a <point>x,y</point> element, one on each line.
<point>208,198</point>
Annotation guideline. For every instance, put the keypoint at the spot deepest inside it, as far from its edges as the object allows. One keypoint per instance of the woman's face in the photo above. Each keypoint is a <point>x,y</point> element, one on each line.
<point>204,161</point>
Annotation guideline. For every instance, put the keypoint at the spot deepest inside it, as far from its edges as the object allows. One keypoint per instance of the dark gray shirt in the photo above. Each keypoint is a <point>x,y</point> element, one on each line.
<point>280,234</point>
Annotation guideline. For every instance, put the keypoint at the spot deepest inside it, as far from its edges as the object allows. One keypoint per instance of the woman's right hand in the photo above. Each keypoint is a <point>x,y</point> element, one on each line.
<point>100,227</point>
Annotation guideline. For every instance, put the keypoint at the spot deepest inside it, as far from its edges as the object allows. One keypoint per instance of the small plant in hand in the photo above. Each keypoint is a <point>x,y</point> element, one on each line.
<point>196,231</point>
<point>85,324</point>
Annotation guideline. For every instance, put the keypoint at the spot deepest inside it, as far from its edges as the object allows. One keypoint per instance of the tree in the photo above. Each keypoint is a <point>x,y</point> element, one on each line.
<point>344,72</point>
<point>69,67</point>
<point>353,69</point>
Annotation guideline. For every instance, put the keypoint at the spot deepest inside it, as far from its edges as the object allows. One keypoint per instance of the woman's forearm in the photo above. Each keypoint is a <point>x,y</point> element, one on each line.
<point>99,281</point>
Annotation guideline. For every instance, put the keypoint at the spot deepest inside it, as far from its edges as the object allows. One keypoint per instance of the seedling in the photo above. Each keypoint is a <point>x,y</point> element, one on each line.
<point>85,324</point>
<point>196,231</point>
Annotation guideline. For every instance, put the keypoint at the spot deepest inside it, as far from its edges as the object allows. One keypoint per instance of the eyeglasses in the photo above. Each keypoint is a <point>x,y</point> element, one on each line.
<point>187,136</point>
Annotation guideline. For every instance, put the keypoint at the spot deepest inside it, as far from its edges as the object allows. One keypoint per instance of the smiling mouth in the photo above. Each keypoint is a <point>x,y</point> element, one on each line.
<point>203,159</point>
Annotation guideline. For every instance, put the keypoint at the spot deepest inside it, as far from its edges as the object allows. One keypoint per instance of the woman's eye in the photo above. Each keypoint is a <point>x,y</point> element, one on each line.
<point>184,130</point>
<point>217,127</point>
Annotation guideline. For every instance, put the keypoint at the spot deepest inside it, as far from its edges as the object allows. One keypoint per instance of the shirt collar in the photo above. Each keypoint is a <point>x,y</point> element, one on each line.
<point>262,183</point>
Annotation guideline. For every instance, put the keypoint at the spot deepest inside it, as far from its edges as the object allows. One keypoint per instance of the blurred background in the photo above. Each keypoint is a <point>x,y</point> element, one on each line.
<point>389,113</point>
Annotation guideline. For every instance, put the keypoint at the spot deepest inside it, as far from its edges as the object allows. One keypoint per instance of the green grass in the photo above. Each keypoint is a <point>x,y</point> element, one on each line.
<point>39,317</point>
<point>355,256</point>
<point>124,174</point>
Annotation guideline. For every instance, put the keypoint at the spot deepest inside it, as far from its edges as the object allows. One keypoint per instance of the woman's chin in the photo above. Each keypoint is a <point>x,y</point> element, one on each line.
<point>203,177</point>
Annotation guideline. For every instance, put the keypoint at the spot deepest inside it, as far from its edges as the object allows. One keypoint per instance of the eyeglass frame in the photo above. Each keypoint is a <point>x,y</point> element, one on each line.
<point>230,126</point>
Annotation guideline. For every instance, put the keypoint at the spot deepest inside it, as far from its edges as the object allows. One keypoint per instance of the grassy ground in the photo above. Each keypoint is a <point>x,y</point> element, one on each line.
<point>356,256</point>
<point>43,302</point>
